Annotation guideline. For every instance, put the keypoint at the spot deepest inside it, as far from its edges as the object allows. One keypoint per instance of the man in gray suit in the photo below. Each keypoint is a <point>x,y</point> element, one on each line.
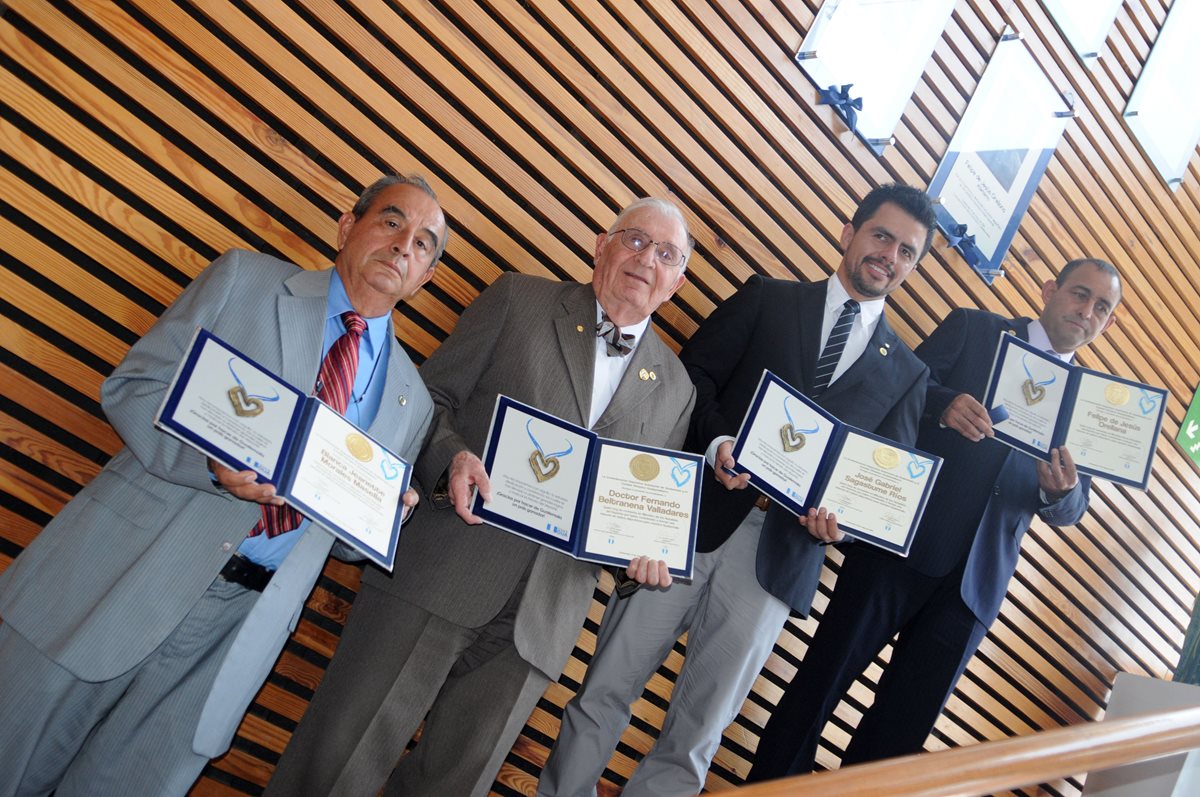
<point>142,620</point>
<point>754,563</point>
<point>476,622</point>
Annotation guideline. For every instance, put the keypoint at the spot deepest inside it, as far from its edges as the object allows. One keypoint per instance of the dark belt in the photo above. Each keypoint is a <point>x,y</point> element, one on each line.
<point>762,502</point>
<point>241,570</point>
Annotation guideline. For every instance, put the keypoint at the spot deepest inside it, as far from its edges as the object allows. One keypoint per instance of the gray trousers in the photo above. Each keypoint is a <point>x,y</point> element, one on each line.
<point>395,663</point>
<point>131,735</point>
<point>732,624</point>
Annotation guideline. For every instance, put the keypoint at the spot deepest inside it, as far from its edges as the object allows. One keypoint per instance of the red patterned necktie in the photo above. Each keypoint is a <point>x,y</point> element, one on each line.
<point>335,381</point>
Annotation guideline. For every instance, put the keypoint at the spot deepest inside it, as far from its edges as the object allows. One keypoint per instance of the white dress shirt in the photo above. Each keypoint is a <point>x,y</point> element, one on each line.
<point>607,371</point>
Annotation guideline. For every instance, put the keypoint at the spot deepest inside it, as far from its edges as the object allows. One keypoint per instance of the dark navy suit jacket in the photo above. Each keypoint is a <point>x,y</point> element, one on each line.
<point>987,493</point>
<point>776,324</point>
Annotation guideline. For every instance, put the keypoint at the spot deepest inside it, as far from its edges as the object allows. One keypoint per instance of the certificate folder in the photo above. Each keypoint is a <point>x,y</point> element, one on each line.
<point>1038,402</point>
<point>594,499</point>
<point>801,456</point>
<point>240,414</point>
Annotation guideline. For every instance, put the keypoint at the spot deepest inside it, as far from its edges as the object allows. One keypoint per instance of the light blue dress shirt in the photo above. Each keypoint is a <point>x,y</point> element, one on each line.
<point>373,351</point>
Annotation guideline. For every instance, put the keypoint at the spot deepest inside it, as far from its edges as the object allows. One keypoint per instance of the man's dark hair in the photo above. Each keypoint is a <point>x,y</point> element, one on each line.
<point>367,197</point>
<point>912,201</point>
<point>1103,265</point>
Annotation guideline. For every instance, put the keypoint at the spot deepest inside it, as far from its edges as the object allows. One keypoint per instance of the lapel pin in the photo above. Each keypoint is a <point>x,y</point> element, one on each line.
<point>579,327</point>
<point>653,376</point>
<point>643,374</point>
<point>403,400</point>
<point>883,350</point>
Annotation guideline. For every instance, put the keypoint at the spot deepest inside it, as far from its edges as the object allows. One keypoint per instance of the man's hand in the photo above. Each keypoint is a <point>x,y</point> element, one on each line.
<point>467,471</point>
<point>241,484</point>
<point>822,524</point>
<point>724,467</point>
<point>968,417</point>
<point>1058,477</point>
<point>650,572</point>
<point>409,500</point>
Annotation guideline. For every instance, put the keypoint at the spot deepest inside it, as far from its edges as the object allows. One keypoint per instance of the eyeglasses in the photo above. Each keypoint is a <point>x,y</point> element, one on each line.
<point>665,253</point>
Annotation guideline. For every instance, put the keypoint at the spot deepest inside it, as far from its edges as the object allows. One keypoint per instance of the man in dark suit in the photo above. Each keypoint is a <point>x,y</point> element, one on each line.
<point>943,597</point>
<point>476,622</point>
<point>143,619</point>
<point>752,566</point>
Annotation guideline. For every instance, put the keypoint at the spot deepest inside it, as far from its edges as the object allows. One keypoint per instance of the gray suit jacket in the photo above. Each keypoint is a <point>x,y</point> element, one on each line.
<point>531,339</point>
<point>113,574</point>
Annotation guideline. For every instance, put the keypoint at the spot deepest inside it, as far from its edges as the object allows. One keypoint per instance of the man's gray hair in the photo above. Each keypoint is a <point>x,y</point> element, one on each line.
<point>367,197</point>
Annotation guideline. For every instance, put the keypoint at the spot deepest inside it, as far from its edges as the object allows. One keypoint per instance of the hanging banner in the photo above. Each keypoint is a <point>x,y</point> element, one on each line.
<point>997,156</point>
<point>866,56</point>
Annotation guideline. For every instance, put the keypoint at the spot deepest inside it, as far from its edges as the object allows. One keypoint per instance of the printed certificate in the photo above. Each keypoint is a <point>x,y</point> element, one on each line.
<point>599,500</point>
<point>1109,424</point>
<point>801,456</point>
<point>240,414</point>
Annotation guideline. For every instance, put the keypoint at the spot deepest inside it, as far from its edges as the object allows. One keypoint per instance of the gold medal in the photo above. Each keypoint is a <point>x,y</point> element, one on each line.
<point>644,467</point>
<point>1116,394</point>
<point>359,447</point>
<point>244,406</point>
<point>1033,392</point>
<point>886,457</point>
<point>544,468</point>
<point>792,440</point>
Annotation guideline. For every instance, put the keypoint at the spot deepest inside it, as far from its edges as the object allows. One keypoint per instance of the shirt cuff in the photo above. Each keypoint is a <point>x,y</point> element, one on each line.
<point>710,456</point>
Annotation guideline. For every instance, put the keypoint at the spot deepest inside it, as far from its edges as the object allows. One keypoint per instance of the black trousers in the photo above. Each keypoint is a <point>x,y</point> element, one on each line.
<point>877,596</point>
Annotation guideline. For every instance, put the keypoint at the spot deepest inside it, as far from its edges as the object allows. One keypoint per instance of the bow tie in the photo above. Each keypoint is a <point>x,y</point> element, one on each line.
<point>617,342</point>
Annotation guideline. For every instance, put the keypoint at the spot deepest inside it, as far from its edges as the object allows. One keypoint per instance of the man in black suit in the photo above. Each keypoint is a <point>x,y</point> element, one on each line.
<point>943,597</point>
<point>752,565</point>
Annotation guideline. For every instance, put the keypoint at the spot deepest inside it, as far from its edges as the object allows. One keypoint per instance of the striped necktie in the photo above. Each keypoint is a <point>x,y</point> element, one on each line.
<point>335,381</point>
<point>828,362</point>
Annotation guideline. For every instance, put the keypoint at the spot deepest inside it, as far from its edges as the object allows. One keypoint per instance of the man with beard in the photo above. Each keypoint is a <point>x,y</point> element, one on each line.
<point>753,563</point>
<point>942,598</point>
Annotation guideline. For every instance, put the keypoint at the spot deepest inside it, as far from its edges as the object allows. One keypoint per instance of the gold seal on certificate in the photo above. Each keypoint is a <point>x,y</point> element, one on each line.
<point>644,467</point>
<point>1032,391</point>
<point>886,457</point>
<point>1116,394</point>
<point>359,447</point>
<point>244,406</point>
<point>544,468</point>
<point>792,440</point>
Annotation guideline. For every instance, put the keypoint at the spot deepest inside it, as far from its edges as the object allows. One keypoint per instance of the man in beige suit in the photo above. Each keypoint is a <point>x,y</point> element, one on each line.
<point>476,622</point>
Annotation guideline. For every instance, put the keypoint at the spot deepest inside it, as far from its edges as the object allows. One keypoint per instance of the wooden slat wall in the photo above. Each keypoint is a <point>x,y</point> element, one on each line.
<point>140,138</point>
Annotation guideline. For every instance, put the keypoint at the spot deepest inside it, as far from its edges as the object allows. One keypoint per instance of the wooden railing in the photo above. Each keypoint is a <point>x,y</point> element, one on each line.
<point>1005,764</point>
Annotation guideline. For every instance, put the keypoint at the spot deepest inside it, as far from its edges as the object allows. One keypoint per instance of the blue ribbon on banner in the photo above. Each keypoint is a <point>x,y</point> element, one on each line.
<point>965,245</point>
<point>843,105</point>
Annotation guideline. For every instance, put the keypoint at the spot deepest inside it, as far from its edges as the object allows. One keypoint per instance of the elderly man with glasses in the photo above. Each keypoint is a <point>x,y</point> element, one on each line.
<point>475,623</point>
<point>753,561</point>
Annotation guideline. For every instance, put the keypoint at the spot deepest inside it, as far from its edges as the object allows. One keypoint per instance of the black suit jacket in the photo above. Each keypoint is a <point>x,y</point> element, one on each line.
<point>776,324</point>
